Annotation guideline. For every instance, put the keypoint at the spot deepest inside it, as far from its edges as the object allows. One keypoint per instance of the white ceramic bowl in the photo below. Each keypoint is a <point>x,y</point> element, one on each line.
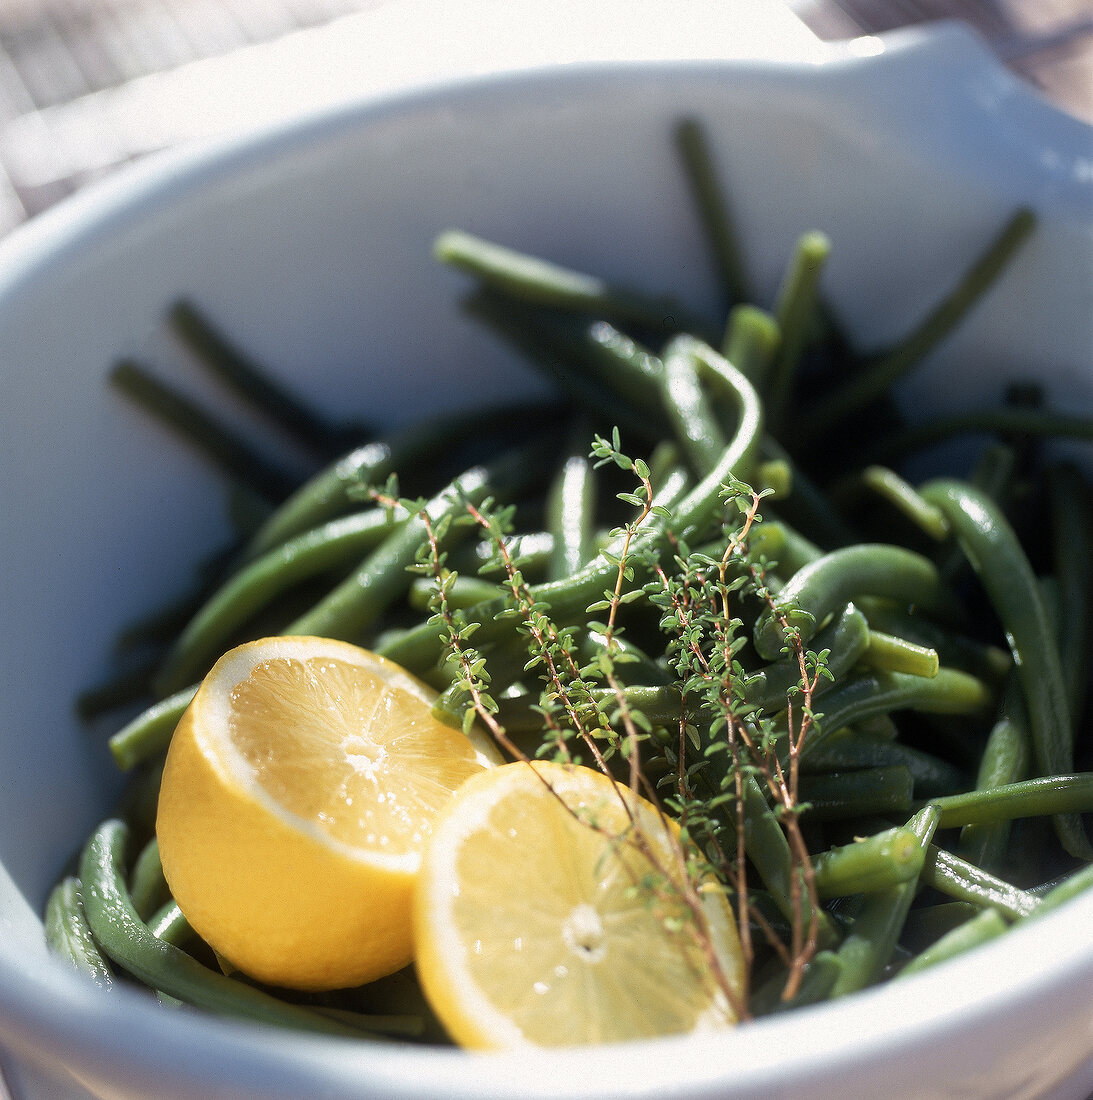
<point>312,243</point>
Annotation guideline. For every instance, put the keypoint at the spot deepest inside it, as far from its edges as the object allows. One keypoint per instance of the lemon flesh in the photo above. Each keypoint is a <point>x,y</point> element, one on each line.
<point>299,790</point>
<point>538,922</point>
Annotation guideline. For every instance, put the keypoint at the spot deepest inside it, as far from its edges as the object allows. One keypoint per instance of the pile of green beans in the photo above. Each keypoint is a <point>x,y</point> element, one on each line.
<point>943,777</point>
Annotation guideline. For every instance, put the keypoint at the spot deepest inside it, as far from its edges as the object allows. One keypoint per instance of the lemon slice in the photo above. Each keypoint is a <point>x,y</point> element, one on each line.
<point>539,921</point>
<point>299,789</point>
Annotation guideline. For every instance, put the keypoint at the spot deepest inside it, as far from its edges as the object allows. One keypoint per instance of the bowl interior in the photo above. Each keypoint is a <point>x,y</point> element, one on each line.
<point>311,244</point>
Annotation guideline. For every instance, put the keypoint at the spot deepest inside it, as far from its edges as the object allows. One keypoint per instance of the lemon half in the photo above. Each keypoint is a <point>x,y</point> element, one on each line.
<point>299,790</point>
<point>539,921</point>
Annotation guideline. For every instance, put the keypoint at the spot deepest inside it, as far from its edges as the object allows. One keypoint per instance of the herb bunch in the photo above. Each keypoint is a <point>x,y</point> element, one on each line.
<point>697,768</point>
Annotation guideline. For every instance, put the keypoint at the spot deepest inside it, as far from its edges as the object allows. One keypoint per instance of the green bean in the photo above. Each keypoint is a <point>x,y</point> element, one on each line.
<point>324,496</point>
<point>993,549</point>
<point>1006,758</point>
<point>571,508</point>
<point>985,926</point>
<point>795,313</point>
<point>1053,608</point>
<point>700,173</point>
<point>900,493</point>
<point>68,934</point>
<point>688,408</point>
<point>669,491</point>
<point>851,747</point>
<point>1043,796</point>
<point>629,371</point>
<point>830,583</point>
<point>898,959</point>
<point>150,732</point>
<point>808,510</point>
<point>742,452</point>
<point>399,993</point>
<point>886,651</point>
<point>255,385</point>
<point>881,371</point>
<point>1042,889</point>
<point>865,695</point>
<point>354,604</point>
<point>964,881</point>
<point>626,368</point>
<point>764,914</point>
<point>868,945</point>
<point>531,279</point>
<point>124,937</point>
<point>259,582</point>
<point>751,343</point>
<point>223,446</point>
<point>993,474</point>
<point>148,888</point>
<point>665,462</point>
<point>169,923</point>
<point>839,796</point>
<point>872,863</point>
<point>987,662</point>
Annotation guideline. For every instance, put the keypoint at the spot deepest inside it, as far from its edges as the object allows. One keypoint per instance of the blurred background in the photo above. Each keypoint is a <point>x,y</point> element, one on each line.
<point>88,85</point>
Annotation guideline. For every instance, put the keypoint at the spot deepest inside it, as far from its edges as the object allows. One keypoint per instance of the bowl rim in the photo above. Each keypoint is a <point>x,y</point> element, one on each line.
<point>244,1056</point>
<point>949,49</point>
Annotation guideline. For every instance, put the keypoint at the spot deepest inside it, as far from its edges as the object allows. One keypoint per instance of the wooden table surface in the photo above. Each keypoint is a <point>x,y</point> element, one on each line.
<point>60,61</point>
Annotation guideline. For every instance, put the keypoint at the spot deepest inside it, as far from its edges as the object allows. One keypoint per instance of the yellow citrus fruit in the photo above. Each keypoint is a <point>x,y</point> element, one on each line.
<point>299,789</point>
<point>540,920</point>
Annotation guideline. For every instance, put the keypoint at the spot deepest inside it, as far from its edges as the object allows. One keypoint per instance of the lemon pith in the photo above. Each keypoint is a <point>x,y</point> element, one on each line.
<point>299,789</point>
<point>531,927</point>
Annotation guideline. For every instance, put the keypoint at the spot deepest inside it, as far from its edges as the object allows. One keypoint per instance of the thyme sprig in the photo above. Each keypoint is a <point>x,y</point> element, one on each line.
<point>721,742</point>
